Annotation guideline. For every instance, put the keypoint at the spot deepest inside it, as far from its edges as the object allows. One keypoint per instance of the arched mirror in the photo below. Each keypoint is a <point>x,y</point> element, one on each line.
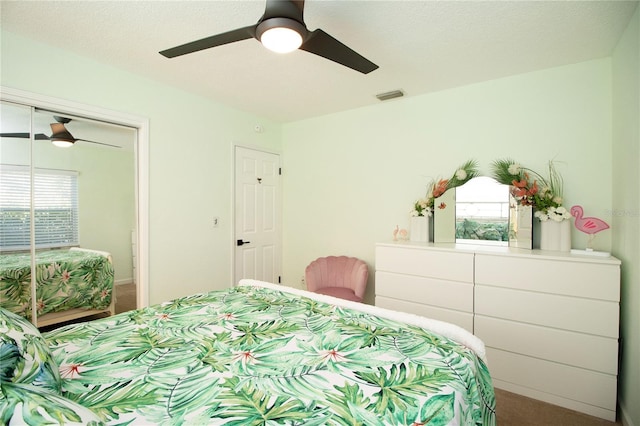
<point>482,212</point>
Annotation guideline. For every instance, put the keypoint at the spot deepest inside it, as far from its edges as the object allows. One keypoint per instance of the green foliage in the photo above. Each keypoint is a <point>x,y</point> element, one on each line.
<point>255,407</point>
<point>261,357</point>
<point>529,187</point>
<point>400,383</point>
<point>474,230</point>
<point>464,173</point>
<point>438,410</point>
<point>39,406</point>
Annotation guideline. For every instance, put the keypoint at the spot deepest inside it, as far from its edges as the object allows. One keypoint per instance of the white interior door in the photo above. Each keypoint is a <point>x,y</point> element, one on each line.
<point>257,215</point>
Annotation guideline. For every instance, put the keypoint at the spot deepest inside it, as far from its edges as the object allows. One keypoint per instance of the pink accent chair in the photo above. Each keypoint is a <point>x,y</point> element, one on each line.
<point>338,276</point>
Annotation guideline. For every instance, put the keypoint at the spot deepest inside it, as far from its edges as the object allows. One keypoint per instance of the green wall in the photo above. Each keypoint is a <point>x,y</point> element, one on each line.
<point>191,157</point>
<point>358,172</point>
<point>626,209</point>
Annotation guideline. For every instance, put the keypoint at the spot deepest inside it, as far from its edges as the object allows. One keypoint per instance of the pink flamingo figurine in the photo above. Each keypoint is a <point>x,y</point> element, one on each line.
<point>588,225</point>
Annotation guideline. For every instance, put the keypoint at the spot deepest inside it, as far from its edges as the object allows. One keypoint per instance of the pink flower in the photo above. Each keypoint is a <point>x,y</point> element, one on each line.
<point>65,276</point>
<point>333,355</point>
<point>71,371</point>
<point>245,357</point>
<point>440,188</point>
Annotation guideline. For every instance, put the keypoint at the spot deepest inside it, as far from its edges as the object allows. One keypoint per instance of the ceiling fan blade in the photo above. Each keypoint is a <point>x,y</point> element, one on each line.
<point>98,143</point>
<point>16,135</point>
<point>59,128</point>
<point>38,137</point>
<point>322,44</point>
<point>209,42</point>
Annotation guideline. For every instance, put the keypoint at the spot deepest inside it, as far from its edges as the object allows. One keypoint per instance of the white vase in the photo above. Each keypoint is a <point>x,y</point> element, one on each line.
<point>555,236</point>
<point>419,229</point>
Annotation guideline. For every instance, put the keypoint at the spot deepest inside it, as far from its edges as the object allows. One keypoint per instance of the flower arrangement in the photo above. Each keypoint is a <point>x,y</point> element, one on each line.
<point>420,208</point>
<point>557,214</point>
<point>437,187</point>
<point>530,188</point>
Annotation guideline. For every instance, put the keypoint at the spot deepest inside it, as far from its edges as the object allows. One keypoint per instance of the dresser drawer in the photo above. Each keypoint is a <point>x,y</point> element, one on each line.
<point>581,350</point>
<point>461,319</point>
<point>568,313</point>
<point>430,291</point>
<point>590,388</point>
<point>600,280</point>
<point>446,265</point>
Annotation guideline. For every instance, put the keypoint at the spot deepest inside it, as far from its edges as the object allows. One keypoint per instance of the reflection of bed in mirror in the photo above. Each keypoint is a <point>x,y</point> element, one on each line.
<point>70,284</point>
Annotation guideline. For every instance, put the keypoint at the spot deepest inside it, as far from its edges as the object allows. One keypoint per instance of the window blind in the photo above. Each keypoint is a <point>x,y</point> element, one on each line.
<point>55,204</point>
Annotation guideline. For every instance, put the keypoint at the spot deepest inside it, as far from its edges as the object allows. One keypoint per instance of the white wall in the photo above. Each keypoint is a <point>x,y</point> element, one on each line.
<point>352,176</point>
<point>191,141</point>
<point>626,205</point>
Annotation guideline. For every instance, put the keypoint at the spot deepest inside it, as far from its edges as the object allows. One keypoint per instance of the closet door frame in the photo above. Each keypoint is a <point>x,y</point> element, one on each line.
<point>141,124</point>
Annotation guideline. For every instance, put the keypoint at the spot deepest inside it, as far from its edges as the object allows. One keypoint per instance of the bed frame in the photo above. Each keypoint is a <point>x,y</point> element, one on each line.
<point>72,314</point>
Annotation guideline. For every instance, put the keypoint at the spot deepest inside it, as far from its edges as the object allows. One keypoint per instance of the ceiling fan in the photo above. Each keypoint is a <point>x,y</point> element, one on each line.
<point>60,136</point>
<point>283,30</point>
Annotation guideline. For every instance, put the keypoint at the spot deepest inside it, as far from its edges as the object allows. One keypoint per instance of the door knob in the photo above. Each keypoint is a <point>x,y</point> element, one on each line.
<point>240,242</point>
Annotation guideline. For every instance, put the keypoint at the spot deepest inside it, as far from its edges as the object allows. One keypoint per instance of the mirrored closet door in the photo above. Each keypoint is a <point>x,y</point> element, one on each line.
<point>68,212</point>
<point>15,209</point>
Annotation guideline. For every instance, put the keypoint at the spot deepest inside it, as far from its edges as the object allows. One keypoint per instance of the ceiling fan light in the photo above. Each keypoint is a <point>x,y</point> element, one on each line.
<point>60,136</point>
<point>62,143</point>
<point>281,38</point>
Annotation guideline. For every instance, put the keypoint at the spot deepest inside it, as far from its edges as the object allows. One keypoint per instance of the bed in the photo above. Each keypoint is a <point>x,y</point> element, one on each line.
<point>70,283</point>
<point>254,354</point>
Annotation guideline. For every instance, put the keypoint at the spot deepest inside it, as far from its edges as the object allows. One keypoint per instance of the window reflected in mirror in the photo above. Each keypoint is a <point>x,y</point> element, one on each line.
<point>482,212</point>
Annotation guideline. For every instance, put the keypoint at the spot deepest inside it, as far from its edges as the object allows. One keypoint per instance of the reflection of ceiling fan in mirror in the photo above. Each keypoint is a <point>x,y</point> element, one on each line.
<point>60,136</point>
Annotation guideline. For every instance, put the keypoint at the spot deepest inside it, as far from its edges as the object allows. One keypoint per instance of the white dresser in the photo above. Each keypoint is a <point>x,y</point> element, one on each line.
<point>429,282</point>
<point>549,320</point>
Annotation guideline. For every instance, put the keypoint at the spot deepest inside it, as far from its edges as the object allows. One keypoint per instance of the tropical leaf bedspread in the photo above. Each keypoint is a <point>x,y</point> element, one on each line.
<point>66,279</point>
<point>258,354</point>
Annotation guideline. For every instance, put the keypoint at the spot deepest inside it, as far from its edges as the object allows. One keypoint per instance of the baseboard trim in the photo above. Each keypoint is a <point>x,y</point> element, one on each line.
<point>123,281</point>
<point>624,416</point>
<point>560,401</point>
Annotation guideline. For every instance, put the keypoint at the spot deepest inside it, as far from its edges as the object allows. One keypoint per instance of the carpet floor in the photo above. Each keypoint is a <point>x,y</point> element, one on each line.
<point>518,410</point>
<point>125,298</point>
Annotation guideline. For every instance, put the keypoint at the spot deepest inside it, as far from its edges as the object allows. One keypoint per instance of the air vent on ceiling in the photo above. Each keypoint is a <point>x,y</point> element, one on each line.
<point>390,95</point>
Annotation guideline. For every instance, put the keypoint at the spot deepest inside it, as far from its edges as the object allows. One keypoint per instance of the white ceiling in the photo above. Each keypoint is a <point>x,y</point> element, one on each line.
<point>420,46</point>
